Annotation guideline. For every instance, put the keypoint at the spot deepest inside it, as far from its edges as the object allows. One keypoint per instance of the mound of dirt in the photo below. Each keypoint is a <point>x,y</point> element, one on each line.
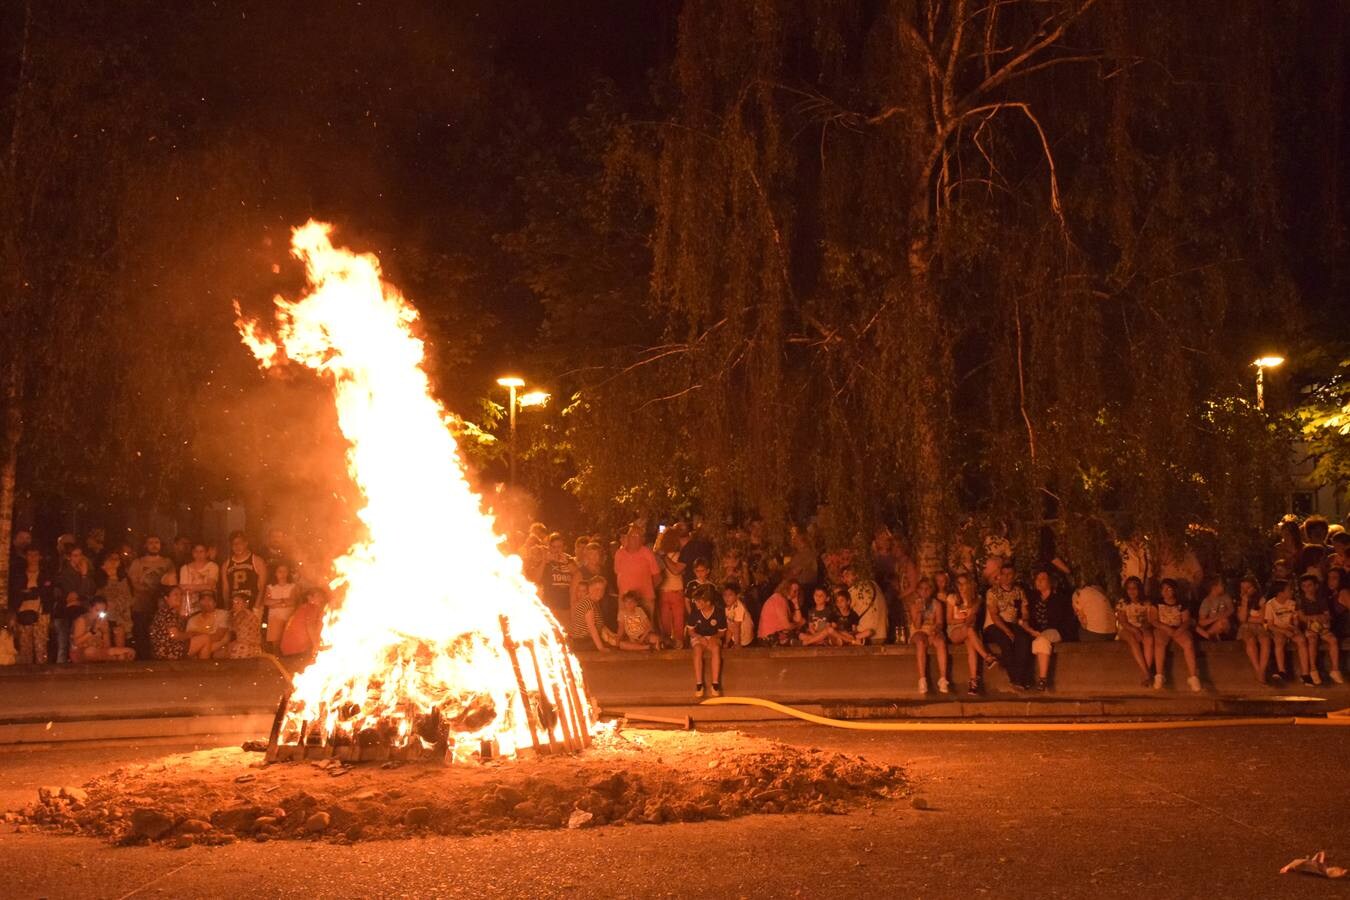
<point>628,777</point>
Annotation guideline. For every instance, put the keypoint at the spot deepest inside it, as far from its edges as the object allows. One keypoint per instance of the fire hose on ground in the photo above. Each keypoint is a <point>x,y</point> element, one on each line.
<point>1340,717</point>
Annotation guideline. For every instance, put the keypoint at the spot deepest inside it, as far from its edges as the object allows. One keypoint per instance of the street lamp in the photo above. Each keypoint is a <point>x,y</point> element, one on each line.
<point>512,383</point>
<point>533,398</point>
<point>1265,362</point>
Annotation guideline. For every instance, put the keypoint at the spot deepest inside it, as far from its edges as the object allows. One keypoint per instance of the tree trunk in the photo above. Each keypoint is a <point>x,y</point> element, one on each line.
<point>928,387</point>
<point>9,463</point>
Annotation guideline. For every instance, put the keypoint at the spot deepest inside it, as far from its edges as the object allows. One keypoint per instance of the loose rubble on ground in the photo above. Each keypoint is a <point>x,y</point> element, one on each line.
<point>628,778</point>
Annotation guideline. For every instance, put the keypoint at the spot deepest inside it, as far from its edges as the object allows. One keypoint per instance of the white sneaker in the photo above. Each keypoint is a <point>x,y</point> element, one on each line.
<point>1316,677</point>
<point>1193,683</point>
<point>944,686</point>
<point>923,685</point>
<point>1157,682</point>
<point>1336,676</point>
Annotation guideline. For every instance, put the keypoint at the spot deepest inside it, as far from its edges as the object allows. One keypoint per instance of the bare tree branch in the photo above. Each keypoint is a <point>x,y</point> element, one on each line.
<point>953,56</point>
<point>1045,146</point>
<point>1035,45</point>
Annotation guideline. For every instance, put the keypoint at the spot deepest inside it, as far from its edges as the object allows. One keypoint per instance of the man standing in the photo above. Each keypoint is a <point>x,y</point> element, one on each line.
<point>636,569</point>
<point>694,545</point>
<point>23,539</point>
<point>244,572</point>
<point>555,580</point>
<point>276,551</point>
<point>95,541</point>
<point>148,574</point>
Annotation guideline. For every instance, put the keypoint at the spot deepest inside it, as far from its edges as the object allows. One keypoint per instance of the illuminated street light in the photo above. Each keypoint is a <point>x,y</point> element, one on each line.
<point>533,398</point>
<point>514,383</point>
<point>1265,362</point>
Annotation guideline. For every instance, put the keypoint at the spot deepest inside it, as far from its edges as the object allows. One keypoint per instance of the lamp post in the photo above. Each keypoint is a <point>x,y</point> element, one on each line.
<point>1265,362</point>
<point>512,383</point>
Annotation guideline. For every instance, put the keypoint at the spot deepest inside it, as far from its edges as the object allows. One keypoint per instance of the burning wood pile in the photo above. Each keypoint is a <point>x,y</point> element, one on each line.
<point>554,720</point>
<point>411,667</point>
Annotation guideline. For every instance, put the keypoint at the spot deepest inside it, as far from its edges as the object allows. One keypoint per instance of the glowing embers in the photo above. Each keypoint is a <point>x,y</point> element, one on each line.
<point>367,730</point>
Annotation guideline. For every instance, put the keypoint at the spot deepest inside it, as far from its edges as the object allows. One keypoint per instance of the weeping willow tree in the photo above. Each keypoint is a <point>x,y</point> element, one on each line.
<point>918,260</point>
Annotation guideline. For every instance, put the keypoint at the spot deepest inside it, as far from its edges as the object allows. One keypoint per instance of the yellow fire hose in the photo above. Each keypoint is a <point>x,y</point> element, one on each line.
<point>1340,717</point>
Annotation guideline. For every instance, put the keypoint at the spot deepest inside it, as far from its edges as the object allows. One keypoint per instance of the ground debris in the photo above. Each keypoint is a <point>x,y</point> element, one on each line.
<point>640,777</point>
<point>1316,864</point>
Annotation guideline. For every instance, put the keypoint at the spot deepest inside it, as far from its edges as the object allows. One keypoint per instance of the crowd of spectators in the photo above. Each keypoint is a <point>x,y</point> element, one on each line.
<point>675,587</point>
<point>86,602</point>
<point>657,587</point>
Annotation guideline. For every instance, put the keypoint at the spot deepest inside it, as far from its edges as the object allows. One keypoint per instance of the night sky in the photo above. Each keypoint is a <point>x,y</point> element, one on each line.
<point>416,127</point>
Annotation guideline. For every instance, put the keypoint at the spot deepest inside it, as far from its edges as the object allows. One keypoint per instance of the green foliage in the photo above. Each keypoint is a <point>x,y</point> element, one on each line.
<point>1323,419</point>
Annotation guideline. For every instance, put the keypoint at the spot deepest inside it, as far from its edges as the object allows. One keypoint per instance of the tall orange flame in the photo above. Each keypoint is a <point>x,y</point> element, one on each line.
<point>425,599</point>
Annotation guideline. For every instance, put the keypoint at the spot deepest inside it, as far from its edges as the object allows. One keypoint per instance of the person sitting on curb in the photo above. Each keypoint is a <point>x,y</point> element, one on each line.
<point>304,629</point>
<point>869,602</point>
<point>1136,628</point>
<point>1172,625</point>
<point>1281,615</point>
<point>1004,609</point>
<point>963,611</point>
<point>1252,631</point>
<point>1315,616</point>
<point>1338,599</point>
<point>780,619</point>
<point>635,626</point>
<point>93,640</point>
<point>706,630</point>
<point>1096,618</point>
<point>208,630</point>
<point>820,618</point>
<point>1215,620</point>
<point>168,639</point>
<point>245,629</point>
<point>928,631</point>
<point>585,629</point>
<point>1038,620</point>
<point>845,625</point>
<point>740,624</point>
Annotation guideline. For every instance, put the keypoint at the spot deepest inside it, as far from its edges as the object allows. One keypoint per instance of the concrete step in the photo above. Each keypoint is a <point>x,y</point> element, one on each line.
<point>152,699</point>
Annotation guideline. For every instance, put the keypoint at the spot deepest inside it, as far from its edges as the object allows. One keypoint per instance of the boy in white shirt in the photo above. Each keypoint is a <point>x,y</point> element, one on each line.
<point>1281,617</point>
<point>740,625</point>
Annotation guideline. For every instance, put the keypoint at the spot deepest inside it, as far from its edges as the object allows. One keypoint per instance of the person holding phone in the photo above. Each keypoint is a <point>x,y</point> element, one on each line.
<point>168,634</point>
<point>92,638</point>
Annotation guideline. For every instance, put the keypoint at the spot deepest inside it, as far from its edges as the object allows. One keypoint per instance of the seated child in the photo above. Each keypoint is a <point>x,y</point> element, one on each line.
<point>706,629</point>
<point>635,626</point>
<point>845,619</point>
<point>740,625</point>
<point>819,618</point>
<point>1281,615</point>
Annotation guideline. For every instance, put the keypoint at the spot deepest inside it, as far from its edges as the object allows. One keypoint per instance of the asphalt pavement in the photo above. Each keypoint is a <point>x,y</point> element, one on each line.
<point>1212,812</point>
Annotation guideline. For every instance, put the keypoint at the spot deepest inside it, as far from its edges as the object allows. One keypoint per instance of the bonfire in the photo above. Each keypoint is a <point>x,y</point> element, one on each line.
<point>410,667</point>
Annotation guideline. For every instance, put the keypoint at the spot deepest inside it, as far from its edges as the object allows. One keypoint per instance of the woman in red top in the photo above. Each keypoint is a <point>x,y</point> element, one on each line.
<point>301,637</point>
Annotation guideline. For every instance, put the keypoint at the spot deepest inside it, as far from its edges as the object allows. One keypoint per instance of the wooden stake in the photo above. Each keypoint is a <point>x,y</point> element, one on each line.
<point>564,722</point>
<point>582,728</point>
<point>520,682</point>
<point>275,734</point>
<point>543,698</point>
